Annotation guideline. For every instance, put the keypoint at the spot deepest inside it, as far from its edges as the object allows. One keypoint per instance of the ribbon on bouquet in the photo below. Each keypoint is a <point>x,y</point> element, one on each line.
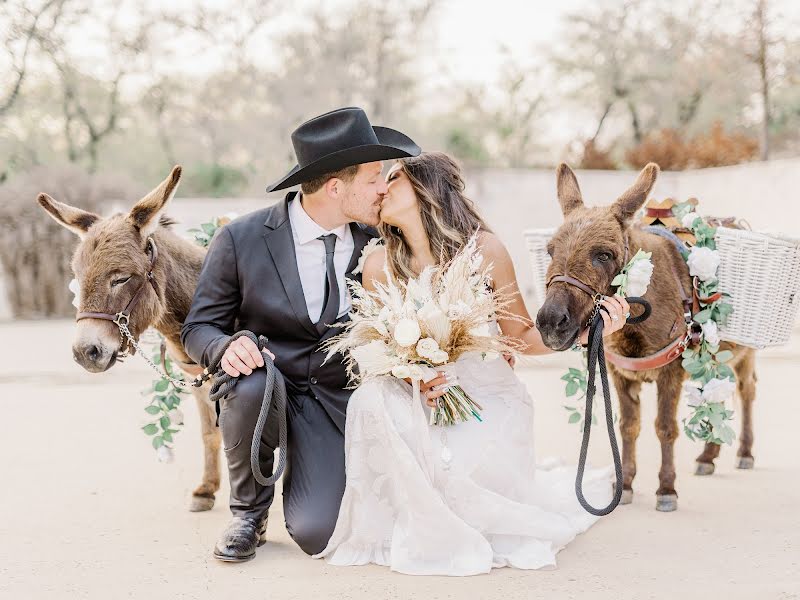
<point>422,440</point>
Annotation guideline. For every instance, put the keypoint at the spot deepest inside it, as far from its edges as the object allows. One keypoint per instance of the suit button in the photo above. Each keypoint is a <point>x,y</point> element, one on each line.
<point>313,381</point>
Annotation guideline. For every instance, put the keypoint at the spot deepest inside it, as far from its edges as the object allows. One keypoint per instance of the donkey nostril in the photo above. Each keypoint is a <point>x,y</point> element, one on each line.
<point>564,321</point>
<point>92,353</point>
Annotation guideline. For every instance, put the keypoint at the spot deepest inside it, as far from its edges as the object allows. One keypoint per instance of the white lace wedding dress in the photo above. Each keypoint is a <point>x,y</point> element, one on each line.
<point>405,506</point>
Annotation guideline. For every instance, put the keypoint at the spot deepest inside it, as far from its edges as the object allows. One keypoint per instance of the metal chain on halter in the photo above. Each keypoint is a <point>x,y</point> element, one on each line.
<point>122,323</point>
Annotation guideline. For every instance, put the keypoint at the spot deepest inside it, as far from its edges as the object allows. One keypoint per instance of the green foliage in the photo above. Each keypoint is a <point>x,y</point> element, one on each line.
<point>165,398</point>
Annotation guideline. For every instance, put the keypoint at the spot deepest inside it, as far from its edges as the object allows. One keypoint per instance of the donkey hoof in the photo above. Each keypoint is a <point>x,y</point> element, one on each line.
<point>627,497</point>
<point>201,503</point>
<point>703,468</point>
<point>745,462</point>
<point>666,502</point>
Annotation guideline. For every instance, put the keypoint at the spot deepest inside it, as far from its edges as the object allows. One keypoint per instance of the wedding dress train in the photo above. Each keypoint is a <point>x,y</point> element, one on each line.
<point>458,500</point>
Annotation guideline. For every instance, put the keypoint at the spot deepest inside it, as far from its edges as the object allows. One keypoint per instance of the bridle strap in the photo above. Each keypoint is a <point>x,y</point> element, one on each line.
<point>126,312</point>
<point>575,282</point>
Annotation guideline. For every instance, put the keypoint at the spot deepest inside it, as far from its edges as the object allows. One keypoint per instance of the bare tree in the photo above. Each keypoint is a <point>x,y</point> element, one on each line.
<point>25,26</point>
<point>760,55</point>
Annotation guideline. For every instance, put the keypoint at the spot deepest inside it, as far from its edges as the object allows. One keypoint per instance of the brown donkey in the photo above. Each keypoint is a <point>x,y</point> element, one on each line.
<point>592,246</point>
<point>110,264</point>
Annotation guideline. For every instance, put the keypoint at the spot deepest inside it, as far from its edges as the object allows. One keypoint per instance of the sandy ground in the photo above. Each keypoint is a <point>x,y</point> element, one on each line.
<point>86,511</point>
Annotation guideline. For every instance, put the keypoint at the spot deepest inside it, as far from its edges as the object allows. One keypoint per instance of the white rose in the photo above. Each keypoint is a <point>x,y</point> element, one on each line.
<point>175,416</point>
<point>371,246</point>
<point>426,347</point>
<point>436,322</point>
<point>693,394</point>
<point>711,332</point>
<point>406,332</point>
<point>718,390</point>
<point>401,371</point>
<point>639,277</point>
<point>75,288</point>
<point>165,454</point>
<point>440,357</point>
<point>703,263</point>
<point>373,358</point>
<point>688,219</point>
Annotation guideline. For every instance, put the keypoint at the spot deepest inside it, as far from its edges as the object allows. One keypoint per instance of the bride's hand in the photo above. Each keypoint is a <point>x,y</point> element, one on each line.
<point>429,393</point>
<point>617,310</point>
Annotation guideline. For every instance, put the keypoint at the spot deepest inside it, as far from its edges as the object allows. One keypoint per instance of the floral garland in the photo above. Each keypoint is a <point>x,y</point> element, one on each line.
<point>712,381</point>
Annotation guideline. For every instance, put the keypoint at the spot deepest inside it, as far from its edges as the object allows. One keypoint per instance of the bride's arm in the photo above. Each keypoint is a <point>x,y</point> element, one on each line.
<point>504,278</point>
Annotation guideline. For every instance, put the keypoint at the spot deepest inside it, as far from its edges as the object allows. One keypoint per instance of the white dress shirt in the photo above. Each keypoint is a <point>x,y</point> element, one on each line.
<point>311,265</point>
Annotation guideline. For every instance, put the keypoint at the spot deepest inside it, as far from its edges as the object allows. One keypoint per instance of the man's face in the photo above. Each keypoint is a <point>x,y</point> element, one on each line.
<point>363,196</point>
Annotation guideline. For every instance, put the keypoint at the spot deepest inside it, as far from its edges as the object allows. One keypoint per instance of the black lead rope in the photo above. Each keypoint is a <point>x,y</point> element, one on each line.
<point>597,358</point>
<point>274,389</point>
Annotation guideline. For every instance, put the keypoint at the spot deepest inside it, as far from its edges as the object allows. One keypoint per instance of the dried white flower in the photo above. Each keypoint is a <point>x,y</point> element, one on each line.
<point>440,357</point>
<point>426,347</point>
<point>373,358</point>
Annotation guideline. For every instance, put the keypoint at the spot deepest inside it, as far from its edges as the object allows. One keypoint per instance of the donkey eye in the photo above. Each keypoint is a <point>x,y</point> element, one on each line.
<point>604,256</point>
<point>120,281</point>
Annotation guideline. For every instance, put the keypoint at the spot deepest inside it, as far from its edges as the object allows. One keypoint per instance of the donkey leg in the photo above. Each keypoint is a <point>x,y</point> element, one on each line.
<point>669,388</point>
<point>203,495</point>
<point>705,462</point>
<point>746,379</point>
<point>630,426</point>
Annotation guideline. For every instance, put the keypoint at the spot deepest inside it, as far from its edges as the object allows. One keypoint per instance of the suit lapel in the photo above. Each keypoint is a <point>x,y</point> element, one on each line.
<point>280,244</point>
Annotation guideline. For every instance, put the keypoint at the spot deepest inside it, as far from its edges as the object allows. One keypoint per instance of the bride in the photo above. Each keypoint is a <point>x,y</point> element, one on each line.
<point>487,504</point>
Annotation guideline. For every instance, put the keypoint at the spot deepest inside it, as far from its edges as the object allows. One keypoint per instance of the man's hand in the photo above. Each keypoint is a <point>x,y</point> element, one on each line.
<point>242,356</point>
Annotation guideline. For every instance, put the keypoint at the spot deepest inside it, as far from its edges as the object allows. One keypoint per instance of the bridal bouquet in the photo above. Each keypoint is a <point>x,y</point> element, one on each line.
<point>410,330</point>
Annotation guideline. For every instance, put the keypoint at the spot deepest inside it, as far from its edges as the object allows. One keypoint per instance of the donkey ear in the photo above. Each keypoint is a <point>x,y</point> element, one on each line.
<point>569,194</point>
<point>76,220</point>
<point>636,195</point>
<point>146,213</point>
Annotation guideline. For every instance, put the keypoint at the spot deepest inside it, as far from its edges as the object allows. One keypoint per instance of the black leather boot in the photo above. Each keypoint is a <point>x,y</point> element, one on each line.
<point>240,539</point>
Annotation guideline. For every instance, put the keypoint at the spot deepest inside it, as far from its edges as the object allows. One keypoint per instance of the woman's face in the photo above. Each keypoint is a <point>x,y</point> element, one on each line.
<point>399,206</point>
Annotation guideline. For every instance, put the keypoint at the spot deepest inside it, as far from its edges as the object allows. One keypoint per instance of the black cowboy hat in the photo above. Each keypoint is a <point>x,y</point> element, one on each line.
<point>338,139</point>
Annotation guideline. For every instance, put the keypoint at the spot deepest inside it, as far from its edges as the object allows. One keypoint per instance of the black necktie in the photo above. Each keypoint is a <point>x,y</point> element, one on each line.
<point>330,306</point>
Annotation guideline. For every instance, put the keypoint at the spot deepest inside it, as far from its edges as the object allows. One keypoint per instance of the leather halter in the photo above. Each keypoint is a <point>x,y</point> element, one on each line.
<point>123,317</point>
<point>668,353</point>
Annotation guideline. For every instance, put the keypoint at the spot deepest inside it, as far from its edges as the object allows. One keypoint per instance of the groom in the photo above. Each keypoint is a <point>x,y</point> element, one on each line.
<point>281,272</point>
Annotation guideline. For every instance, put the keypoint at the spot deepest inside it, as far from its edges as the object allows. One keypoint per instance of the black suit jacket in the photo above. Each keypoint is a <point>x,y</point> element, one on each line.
<point>250,280</point>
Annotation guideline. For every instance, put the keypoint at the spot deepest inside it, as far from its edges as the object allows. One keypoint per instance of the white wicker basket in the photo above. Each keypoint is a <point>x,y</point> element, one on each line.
<point>536,242</point>
<point>762,274</point>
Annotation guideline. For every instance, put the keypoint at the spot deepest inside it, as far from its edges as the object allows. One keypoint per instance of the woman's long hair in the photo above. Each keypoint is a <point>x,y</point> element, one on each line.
<point>449,217</point>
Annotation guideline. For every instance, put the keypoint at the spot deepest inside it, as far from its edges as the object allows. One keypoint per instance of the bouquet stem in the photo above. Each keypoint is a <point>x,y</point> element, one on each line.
<point>454,406</point>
